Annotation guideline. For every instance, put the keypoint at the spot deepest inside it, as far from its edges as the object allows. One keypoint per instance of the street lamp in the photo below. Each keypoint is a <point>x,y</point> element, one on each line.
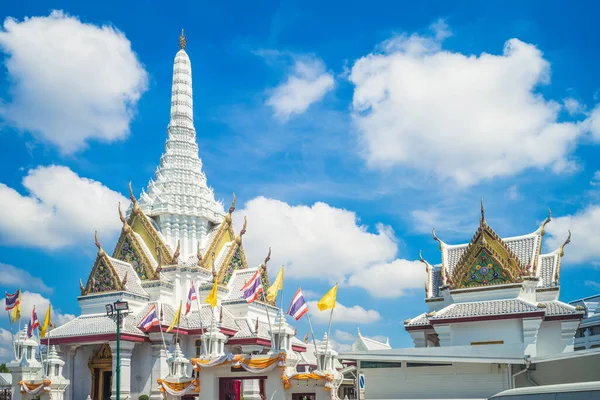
<point>115,312</point>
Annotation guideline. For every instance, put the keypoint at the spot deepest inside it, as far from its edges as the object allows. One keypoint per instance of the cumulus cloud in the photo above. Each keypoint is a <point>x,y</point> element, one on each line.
<point>343,336</point>
<point>13,277</point>
<point>6,348</point>
<point>355,314</point>
<point>390,279</point>
<point>460,117</point>
<point>585,229</point>
<point>59,210</point>
<point>29,300</point>
<point>70,81</point>
<point>306,84</point>
<point>321,241</point>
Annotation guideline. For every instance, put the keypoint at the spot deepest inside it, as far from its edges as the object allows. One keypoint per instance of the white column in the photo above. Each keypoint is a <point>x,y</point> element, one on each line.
<point>160,369</point>
<point>531,327</point>
<point>444,334</point>
<point>567,334</point>
<point>70,369</point>
<point>418,338</point>
<point>251,389</point>
<point>126,350</point>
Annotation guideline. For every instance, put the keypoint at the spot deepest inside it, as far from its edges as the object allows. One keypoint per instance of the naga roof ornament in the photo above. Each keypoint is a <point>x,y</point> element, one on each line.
<point>561,253</point>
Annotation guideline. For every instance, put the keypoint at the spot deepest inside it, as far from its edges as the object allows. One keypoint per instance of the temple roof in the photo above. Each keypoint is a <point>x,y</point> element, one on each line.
<point>363,343</point>
<point>95,324</point>
<point>489,259</point>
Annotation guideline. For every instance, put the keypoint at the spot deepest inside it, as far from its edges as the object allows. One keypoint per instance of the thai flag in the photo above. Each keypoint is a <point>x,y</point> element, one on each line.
<point>191,296</point>
<point>253,288</point>
<point>298,306</point>
<point>150,319</point>
<point>12,300</point>
<point>34,323</point>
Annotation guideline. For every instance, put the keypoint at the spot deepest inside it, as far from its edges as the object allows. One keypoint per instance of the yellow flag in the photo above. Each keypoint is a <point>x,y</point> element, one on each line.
<point>15,314</point>
<point>46,323</point>
<point>176,319</point>
<point>212,296</point>
<point>276,286</point>
<point>328,301</point>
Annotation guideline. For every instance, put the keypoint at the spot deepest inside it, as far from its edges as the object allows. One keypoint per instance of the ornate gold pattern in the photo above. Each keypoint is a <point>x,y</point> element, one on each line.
<point>182,41</point>
<point>498,260</point>
<point>175,258</point>
<point>104,277</point>
<point>428,269</point>
<point>127,244</point>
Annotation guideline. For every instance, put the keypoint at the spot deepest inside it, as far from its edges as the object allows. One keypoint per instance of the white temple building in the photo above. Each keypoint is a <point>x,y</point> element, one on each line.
<point>493,321</point>
<point>174,236</point>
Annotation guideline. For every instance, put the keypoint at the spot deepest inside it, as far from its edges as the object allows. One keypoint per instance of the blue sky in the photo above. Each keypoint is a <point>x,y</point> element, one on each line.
<point>347,131</point>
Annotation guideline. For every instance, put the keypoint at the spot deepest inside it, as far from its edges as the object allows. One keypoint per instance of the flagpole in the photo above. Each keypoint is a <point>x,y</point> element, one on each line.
<point>178,323</point>
<point>329,332</point>
<point>313,336</point>
<point>200,316</point>
<point>47,347</point>
<point>212,320</point>
<point>12,335</point>
<point>267,311</point>
<point>282,315</point>
<point>160,327</point>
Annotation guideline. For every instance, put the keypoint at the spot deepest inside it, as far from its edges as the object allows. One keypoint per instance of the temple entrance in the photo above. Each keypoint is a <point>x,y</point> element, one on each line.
<point>233,388</point>
<point>101,369</point>
<point>304,396</point>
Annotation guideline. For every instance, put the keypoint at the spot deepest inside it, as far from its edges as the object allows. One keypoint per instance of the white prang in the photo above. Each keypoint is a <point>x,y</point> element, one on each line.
<point>178,199</point>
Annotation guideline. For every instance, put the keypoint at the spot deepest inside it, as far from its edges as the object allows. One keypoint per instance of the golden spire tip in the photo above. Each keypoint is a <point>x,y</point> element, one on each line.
<point>182,40</point>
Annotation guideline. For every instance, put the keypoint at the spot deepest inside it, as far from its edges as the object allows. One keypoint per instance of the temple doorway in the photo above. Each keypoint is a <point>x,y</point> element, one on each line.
<point>101,369</point>
<point>232,388</point>
<point>304,396</point>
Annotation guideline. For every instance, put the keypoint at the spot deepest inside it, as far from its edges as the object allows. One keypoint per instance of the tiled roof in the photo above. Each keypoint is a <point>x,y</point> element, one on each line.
<point>484,308</point>
<point>547,266</point>
<point>237,281</point>
<point>371,344</point>
<point>246,329</point>
<point>419,320</point>
<point>97,324</point>
<point>194,320</point>
<point>524,247</point>
<point>133,284</point>
<point>560,308</point>
<point>436,281</point>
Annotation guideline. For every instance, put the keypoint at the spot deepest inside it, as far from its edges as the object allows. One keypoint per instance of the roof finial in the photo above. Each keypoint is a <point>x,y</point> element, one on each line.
<point>98,245</point>
<point>482,221</point>
<point>268,257</point>
<point>562,248</point>
<point>182,41</point>
<point>232,207</point>
<point>548,219</point>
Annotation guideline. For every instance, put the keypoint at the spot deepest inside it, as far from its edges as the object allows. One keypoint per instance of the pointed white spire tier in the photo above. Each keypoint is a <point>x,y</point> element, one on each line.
<point>178,199</point>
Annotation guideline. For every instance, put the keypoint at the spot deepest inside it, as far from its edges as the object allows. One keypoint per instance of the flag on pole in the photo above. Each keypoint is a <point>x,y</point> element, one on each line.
<point>44,328</point>
<point>328,301</point>
<point>176,319</point>
<point>212,296</point>
<point>253,288</point>
<point>298,306</point>
<point>150,319</point>
<point>15,313</point>
<point>33,323</point>
<point>13,300</point>
<point>191,296</point>
<point>276,286</point>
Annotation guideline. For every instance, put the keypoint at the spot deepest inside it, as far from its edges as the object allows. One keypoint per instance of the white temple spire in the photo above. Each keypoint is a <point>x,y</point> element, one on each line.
<point>178,199</point>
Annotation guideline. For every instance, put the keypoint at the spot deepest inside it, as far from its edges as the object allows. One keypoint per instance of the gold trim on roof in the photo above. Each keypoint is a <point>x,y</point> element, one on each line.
<point>542,231</point>
<point>561,253</point>
<point>101,281</point>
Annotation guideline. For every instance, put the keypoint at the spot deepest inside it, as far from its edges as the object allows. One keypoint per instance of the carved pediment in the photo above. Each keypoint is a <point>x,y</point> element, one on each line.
<point>103,277</point>
<point>486,261</point>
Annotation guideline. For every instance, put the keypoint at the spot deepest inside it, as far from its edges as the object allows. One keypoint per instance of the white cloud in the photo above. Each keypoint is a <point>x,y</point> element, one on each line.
<point>341,313</point>
<point>6,349</point>
<point>585,230</point>
<point>29,300</point>
<point>344,336</point>
<point>70,81</point>
<point>337,346</point>
<point>14,277</point>
<point>573,106</point>
<point>595,179</point>
<point>461,117</point>
<point>513,193</point>
<point>307,83</point>
<point>60,209</point>
<point>390,279</point>
<point>315,241</point>
<point>321,241</point>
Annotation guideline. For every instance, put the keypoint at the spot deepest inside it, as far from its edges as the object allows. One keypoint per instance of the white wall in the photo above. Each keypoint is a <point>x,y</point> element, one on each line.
<point>82,379</point>
<point>508,330</point>
<point>549,338</point>
<point>440,382</point>
<point>141,370</point>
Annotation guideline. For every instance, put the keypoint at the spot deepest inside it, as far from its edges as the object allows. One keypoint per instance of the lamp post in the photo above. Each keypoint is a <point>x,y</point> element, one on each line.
<point>115,312</point>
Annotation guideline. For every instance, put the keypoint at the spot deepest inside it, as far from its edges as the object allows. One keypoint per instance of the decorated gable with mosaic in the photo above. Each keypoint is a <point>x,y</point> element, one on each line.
<point>485,271</point>
<point>103,277</point>
<point>128,250</point>
<point>236,261</point>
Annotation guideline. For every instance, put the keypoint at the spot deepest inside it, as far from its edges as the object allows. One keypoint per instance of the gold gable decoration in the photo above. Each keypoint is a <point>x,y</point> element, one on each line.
<point>129,249</point>
<point>140,224</point>
<point>264,279</point>
<point>235,259</point>
<point>103,277</point>
<point>487,260</point>
<point>223,236</point>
